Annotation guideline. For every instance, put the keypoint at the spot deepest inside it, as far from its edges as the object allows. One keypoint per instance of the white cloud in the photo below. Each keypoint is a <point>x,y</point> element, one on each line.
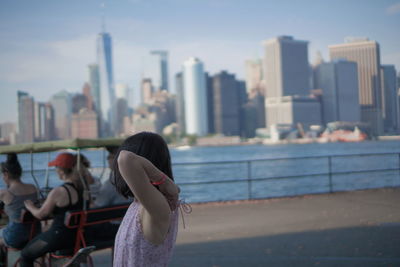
<point>393,9</point>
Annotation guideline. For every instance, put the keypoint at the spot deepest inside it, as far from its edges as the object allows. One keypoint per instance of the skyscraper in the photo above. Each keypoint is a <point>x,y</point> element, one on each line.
<point>50,130</point>
<point>159,69</point>
<point>62,105</point>
<point>87,91</point>
<point>26,125</point>
<point>367,56</point>
<point>339,83</point>
<point>293,110</point>
<point>287,77</point>
<point>287,68</point>
<point>40,121</point>
<point>94,82</point>
<point>84,124</point>
<point>254,75</point>
<point>389,99</point>
<point>180,102</point>
<point>210,103</point>
<point>195,97</point>
<point>226,104</point>
<point>107,91</point>
<point>122,90</point>
<point>147,91</point>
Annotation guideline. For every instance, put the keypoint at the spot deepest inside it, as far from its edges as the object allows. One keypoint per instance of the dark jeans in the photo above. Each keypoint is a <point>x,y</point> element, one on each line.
<point>49,241</point>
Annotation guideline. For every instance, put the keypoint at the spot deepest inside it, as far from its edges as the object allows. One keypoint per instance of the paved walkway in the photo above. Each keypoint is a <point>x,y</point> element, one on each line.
<point>359,228</point>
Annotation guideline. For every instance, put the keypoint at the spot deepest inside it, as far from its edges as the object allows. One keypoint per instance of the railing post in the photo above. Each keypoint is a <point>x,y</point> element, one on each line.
<point>330,173</point>
<point>249,180</point>
<point>399,166</point>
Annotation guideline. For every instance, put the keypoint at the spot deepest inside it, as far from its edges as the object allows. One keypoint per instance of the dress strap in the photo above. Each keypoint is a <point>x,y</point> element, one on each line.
<point>184,208</point>
<point>69,194</point>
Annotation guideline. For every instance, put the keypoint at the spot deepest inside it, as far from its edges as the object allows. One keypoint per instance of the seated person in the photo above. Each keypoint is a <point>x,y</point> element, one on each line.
<point>107,196</point>
<point>68,196</point>
<point>15,234</point>
<point>93,182</point>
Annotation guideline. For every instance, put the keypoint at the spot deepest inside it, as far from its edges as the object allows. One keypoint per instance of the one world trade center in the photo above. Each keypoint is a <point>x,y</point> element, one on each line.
<point>107,92</point>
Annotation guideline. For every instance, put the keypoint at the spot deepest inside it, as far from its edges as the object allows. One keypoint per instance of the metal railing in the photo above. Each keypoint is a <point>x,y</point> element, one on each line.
<point>336,166</point>
<point>286,176</point>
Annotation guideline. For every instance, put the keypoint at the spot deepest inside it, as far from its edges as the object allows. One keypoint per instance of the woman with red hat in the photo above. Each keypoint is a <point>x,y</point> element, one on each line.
<point>61,199</point>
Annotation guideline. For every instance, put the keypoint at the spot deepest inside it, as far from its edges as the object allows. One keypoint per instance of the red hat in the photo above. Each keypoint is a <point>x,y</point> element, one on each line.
<point>64,160</point>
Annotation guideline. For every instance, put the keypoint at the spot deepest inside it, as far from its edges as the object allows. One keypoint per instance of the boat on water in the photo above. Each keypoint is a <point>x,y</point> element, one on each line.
<point>343,136</point>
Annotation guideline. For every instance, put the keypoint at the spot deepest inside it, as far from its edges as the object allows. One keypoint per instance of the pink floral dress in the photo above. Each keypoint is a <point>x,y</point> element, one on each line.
<point>132,249</point>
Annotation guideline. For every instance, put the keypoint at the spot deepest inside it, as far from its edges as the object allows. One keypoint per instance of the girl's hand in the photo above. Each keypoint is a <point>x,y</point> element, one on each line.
<point>171,192</point>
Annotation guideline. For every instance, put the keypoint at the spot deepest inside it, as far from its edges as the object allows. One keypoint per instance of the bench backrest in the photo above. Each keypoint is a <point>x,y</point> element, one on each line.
<point>73,219</point>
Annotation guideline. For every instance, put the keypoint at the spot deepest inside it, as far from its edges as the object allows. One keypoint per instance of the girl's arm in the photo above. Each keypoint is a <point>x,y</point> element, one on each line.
<point>48,206</point>
<point>135,170</point>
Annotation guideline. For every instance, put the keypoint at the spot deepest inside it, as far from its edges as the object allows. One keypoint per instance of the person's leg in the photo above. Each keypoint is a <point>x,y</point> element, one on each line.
<point>33,250</point>
<point>48,241</point>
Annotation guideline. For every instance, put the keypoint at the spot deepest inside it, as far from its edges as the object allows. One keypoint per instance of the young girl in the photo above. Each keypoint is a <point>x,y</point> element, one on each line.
<point>15,234</point>
<point>142,169</point>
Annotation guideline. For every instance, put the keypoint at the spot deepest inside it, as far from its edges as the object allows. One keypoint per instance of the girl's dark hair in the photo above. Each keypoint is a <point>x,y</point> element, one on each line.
<point>12,166</point>
<point>148,145</point>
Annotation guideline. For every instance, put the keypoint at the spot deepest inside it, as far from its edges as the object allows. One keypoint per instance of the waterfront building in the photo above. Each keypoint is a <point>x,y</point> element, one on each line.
<point>366,54</point>
<point>62,105</point>
<point>338,81</point>
<point>250,117</point>
<point>122,108</point>
<point>124,91</point>
<point>254,74</point>
<point>50,130</point>
<point>242,100</point>
<point>158,69</point>
<point>26,122</point>
<point>210,103</point>
<point>94,82</point>
<point>121,111</point>
<point>226,104</point>
<point>141,121</point>
<point>257,100</point>
<point>7,132</point>
<point>44,122</point>
<point>87,92</point>
<point>389,98</point>
<point>287,74</point>
<point>180,102</point>
<point>147,91</point>
<point>107,90</point>
<point>166,103</point>
<point>79,101</point>
<point>84,124</point>
<point>195,97</point>
<point>293,110</point>
<point>286,67</point>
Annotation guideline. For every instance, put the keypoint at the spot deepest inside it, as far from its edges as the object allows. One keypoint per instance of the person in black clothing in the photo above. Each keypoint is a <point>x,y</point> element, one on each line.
<point>61,199</point>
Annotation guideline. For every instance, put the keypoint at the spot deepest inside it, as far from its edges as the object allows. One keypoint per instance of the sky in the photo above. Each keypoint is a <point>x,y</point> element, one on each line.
<point>46,45</point>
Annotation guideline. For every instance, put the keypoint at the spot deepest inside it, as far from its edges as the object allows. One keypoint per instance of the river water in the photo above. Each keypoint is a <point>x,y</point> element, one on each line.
<point>216,178</point>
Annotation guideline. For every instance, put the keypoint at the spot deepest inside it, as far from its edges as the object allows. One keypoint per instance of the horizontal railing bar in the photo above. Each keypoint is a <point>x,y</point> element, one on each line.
<point>276,159</point>
<point>285,177</point>
<point>266,159</point>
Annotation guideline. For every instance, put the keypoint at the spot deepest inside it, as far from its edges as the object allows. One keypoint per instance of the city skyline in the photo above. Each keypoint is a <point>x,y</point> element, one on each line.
<point>43,63</point>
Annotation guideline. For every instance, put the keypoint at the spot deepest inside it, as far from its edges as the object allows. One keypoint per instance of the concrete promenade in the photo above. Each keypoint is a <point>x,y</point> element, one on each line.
<point>360,228</point>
